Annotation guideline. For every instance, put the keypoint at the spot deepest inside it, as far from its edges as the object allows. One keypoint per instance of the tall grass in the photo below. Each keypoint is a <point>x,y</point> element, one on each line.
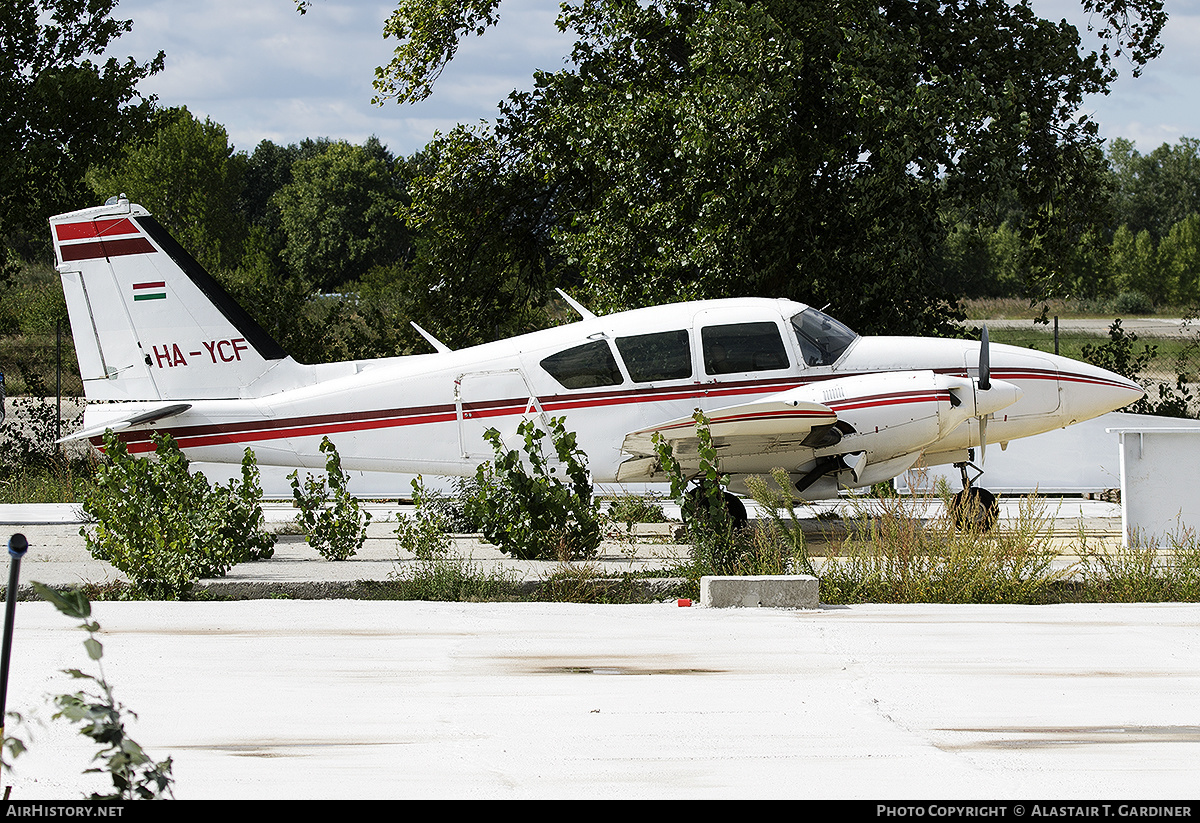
<point>1144,570</point>
<point>891,554</point>
<point>59,482</point>
<point>454,579</point>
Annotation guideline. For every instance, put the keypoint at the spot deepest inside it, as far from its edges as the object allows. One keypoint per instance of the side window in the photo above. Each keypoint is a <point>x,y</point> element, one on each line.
<point>660,356</point>
<point>584,367</point>
<point>743,347</point>
<point>822,339</point>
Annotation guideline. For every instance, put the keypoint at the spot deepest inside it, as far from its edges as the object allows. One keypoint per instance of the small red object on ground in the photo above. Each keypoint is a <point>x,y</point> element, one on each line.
<point>684,601</point>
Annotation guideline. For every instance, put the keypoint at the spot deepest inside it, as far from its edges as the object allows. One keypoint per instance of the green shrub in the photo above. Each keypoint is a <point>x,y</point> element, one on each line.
<point>1131,302</point>
<point>165,527</point>
<point>330,516</point>
<point>530,513</point>
<point>426,532</point>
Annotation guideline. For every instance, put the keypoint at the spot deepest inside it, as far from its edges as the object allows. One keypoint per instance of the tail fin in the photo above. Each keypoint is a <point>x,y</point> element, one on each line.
<point>149,322</point>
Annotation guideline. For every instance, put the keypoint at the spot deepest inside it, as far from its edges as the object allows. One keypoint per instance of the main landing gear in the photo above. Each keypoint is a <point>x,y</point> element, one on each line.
<point>733,505</point>
<point>973,508</point>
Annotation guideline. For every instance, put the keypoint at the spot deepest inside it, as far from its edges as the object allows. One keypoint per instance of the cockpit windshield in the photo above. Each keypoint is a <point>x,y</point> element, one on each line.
<point>822,339</point>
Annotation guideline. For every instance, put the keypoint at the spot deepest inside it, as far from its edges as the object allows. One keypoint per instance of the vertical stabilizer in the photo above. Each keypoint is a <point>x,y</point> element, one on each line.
<point>149,322</point>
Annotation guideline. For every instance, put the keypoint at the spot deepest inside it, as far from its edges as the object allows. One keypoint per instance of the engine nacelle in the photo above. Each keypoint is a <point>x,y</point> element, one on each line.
<point>887,419</point>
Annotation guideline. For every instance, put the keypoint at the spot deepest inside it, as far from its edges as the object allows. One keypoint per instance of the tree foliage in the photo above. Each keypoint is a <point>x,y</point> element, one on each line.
<point>339,213</point>
<point>704,148</point>
<point>1155,191</point>
<point>187,174</point>
<point>62,107</point>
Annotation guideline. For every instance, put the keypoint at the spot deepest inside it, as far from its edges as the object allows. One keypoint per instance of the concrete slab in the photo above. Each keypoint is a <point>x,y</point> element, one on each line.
<point>780,591</point>
<point>343,699</point>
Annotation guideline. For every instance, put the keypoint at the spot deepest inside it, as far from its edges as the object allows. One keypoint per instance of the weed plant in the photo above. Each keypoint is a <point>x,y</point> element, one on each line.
<point>705,513</point>
<point>426,532</point>
<point>331,517</point>
<point>1143,571</point>
<point>588,583</point>
<point>527,511</point>
<point>778,544</point>
<point>62,481</point>
<point>891,554</point>
<point>453,579</point>
<point>635,508</point>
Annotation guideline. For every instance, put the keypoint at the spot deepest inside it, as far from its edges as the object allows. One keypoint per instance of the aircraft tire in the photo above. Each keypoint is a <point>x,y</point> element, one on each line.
<point>974,508</point>
<point>737,510</point>
<point>733,505</point>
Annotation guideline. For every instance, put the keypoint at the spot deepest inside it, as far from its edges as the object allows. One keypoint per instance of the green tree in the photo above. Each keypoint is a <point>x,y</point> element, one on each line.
<point>1154,192</point>
<point>189,178</point>
<point>63,107</point>
<point>704,148</point>
<point>1133,264</point>
<point>484,215</point>
<point>1179,261</point>
<point>339,214</point>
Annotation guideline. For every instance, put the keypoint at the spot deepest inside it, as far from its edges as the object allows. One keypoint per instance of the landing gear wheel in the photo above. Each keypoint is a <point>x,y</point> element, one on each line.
<point>737,511</point>
<point>733,505</point>
<point>974,509</point>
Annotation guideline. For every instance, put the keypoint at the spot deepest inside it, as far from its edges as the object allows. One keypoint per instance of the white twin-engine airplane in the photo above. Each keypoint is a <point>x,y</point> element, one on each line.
<point>162,347</point>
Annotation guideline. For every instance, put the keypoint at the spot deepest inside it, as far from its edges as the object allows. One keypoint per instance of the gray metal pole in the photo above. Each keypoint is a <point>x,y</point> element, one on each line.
<point>17,546</point>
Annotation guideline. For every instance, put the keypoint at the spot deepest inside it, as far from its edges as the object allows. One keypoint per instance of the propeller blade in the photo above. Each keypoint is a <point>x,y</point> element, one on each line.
<point>982,439</point>
<point>985,369</point>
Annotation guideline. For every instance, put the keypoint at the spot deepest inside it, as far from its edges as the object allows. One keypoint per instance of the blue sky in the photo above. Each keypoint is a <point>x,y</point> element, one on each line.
<point>265,72</point>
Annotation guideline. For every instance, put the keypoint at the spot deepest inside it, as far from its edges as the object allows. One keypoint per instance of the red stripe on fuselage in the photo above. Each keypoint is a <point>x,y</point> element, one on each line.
<point>318,425</point>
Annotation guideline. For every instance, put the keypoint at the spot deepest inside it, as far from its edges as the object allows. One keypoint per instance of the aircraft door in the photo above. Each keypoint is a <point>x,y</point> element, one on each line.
<point>499,399</point>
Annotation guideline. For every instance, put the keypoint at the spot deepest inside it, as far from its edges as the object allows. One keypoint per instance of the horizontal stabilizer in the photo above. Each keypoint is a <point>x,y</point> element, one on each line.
<point>151,416</point>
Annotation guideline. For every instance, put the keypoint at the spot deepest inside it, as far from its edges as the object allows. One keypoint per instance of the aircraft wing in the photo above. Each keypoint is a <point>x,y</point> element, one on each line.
<point>751,428</point>
<point>151,416</point>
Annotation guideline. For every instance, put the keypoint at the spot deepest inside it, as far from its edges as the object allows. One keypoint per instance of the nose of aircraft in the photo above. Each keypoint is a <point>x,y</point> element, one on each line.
<point>1089,391</point>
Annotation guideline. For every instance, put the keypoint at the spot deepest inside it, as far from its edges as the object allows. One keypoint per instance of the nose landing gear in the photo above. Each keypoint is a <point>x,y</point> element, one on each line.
<point>973,508</point>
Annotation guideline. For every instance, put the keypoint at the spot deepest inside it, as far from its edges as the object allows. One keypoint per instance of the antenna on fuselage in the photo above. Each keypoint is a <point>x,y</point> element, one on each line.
<point>576,305</point>
<point>433,341</point>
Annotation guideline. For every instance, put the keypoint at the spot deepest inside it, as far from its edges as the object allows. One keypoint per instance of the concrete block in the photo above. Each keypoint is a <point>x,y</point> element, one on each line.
<point>781,591</point>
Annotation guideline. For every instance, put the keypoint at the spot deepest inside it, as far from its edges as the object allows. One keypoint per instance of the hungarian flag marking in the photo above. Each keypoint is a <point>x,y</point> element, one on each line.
<point>150,291</point>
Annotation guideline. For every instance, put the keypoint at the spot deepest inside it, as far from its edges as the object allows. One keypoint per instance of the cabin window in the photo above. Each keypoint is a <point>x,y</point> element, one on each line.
<point>584,367</point>
<point>659,356</point>
<point>742,347</point>
<point>822,339</point>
